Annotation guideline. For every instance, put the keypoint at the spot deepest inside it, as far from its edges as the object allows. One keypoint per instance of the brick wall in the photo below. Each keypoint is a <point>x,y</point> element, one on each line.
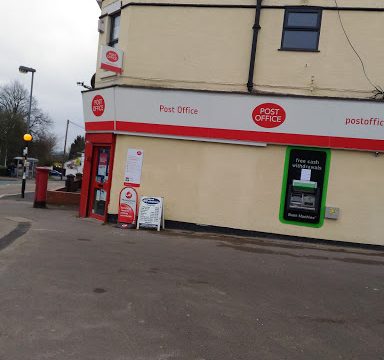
<point>63,198</point>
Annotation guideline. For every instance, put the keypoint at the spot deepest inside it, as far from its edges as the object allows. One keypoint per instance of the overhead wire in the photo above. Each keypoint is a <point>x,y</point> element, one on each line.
<point>73,123</point>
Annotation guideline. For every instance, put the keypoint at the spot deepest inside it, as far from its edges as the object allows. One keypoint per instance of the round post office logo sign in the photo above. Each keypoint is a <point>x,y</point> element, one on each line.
<point>112,56</point>
<point>98,105</point>
<point>268,115</point>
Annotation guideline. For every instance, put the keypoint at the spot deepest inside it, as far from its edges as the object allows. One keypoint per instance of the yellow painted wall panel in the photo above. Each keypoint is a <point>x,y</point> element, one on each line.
<point>240,187</point>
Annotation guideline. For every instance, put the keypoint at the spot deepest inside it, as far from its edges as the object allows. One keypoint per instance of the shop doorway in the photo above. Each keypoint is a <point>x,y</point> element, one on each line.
<point>100,182</point>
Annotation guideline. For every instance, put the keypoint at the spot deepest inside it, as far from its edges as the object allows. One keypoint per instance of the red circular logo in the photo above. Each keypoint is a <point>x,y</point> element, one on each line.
<point>98,105</point>
<point>268,115</point>
<point>128,195</point>
<point>139,153</point>
<point>112,56</point>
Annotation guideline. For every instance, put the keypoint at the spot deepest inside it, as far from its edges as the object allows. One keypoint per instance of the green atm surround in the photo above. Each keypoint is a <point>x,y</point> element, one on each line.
<point>315,190</point>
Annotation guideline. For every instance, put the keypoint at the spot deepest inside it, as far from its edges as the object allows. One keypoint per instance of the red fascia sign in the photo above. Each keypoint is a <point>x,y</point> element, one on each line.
<point>111,59</point>
<point>127,206</point>
<point>238,118</point>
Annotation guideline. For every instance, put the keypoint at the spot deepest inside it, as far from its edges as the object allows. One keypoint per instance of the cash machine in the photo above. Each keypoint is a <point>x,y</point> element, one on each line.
<point>303,195</point>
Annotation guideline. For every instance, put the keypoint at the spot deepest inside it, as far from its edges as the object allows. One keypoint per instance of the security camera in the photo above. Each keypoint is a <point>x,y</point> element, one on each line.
<point>81,83</point>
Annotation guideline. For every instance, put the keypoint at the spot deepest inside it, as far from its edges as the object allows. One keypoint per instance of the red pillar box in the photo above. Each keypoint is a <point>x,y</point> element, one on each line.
<point>41,187</point>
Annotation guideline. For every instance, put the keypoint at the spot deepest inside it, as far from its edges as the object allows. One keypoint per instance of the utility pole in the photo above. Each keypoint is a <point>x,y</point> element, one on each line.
<point>65,148</point>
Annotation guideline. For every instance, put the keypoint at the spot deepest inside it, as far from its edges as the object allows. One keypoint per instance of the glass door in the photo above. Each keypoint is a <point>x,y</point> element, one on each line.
<point>99,182</point>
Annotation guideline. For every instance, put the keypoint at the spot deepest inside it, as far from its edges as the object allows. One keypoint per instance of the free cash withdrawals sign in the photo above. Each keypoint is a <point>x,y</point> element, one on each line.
<point>236,118</point>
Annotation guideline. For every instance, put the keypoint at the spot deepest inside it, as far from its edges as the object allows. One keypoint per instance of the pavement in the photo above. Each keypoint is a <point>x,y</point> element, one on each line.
<point>12,186</point>
<point>76,289</point>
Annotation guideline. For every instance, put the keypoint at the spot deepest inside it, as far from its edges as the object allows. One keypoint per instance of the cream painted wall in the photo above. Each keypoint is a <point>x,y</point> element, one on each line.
<point>335,70</point>
<point>164,47</point>
<point>240,186</point>
<point>209,48</point>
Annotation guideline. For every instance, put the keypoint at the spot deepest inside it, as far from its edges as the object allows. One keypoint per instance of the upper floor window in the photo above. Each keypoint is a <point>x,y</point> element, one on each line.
<point>301,29</point>
<point>114,30</point>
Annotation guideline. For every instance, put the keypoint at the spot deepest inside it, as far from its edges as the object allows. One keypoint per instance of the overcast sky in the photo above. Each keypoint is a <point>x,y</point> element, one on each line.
<point>59,39</point>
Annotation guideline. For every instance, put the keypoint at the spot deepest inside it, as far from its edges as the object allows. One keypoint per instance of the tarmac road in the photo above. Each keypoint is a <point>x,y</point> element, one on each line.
<point>75,289</point>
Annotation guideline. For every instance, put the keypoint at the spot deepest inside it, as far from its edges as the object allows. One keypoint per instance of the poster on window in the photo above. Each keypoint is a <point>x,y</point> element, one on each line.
<point>133,167</point>
<point>103,163</point>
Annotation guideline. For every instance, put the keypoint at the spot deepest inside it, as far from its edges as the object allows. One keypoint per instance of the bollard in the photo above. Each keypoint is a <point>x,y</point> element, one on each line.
<point>41,187</point>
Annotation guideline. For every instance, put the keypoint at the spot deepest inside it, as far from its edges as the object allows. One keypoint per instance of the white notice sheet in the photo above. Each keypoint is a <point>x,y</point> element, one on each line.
<point>133,167</point>
<point>305,174</point>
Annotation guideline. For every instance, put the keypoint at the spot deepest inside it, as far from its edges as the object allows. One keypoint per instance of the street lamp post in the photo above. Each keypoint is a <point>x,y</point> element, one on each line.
<point>27,136</point>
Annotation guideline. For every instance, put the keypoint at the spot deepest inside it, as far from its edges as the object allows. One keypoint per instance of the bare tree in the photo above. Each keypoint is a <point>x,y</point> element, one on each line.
<point>14,107</point>
<point>14,99</point>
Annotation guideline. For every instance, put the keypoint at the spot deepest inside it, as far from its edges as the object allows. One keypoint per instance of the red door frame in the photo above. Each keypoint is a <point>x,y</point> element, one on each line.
<point>91,141</point>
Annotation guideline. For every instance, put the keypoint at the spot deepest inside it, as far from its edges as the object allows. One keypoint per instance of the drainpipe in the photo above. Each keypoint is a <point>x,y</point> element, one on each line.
<point>256,28</point>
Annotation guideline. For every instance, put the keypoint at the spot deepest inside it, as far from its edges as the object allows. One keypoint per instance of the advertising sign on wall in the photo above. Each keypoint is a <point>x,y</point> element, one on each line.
<point>236,118</point>
<point>305,186</point>
<point>111,59</point>
<point>127,206</point>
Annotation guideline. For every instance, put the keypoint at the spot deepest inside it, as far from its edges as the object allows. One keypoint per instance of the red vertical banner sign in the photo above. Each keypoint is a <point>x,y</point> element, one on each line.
<point>127,206</point>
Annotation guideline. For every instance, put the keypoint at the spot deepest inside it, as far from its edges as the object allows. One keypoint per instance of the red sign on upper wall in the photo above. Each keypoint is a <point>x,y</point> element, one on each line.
<point>111,59</point>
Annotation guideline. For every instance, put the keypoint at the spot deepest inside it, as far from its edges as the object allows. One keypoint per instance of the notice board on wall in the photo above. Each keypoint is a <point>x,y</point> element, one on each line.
<point>133,167</point>
<point>304,188</point>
